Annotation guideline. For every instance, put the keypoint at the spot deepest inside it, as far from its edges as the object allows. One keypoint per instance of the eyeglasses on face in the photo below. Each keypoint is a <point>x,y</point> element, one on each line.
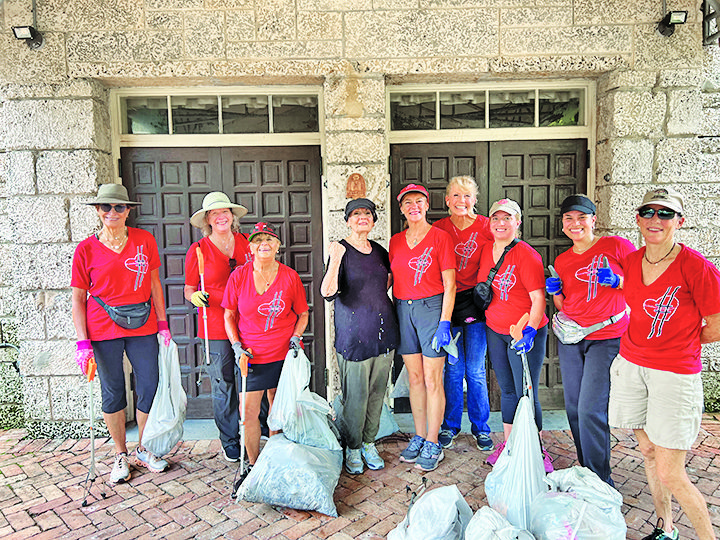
<point>663,213</point>
<point>119,208</point>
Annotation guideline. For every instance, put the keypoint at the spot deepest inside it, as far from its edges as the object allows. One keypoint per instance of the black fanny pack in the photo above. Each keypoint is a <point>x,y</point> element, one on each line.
<point>483,293</point>
<point>465,311</point>
<point>129,316</point>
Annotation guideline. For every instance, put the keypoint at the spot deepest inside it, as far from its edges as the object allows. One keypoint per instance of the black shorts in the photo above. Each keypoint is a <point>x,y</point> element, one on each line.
<point>264,376</point>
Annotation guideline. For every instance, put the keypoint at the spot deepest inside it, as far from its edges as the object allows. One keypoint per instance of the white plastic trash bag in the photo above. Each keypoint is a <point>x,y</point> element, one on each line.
<point>294,476</point>
<point>439,514</point>
<point>294,377</point>
<point>488,524</point>
<point>519,473</point>
<point>387,426</point>
<point>580,506</point>
<point>164,427</point>
<point>311,423</point>
<point>402,385</point>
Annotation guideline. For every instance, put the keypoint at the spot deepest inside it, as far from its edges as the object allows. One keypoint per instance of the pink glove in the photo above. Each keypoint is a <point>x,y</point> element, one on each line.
<point>83,354</point>
<point>164,331</point>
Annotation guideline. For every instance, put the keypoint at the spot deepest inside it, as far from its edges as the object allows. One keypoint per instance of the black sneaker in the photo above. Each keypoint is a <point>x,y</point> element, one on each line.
<point>484,442</point>
<point>231,453</point>
<point>660,534</point>
<point>446,438</point>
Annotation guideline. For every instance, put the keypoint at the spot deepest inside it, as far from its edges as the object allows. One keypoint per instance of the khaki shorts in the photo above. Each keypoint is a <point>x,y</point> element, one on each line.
<point>668,406</point>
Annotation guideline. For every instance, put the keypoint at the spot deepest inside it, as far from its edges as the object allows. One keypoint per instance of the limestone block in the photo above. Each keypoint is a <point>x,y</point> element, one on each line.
<point>494,3</point>
<point>628,114</point>
<point>28,309</point>
<point>41,266</point>
<point>355,124</point>
<point>174,4</point>
<point>229,4</point>
<point>680,77</point>
<point>704,240</point>
<point>164,20</point>
<point>314,25</point>
<point>275,20</point>
<point>337,228</point>
<point>82,15</point>
<point>393,34</point>
<point>16,12</point>
<point>205,34</point>
<point>46,358</point>
<point>354,97</point>
<point>616,11</point>
<point>561,64</point>
<point>21,64</point>
<point>39,219</point>
<point>20,173</point>
<point>684,160</point>
<point>626,161</point>
<point>4,172</point>
<point>711,115</point>
<point>290,50</point>
<point>84,220</point>
<point>69,397</point>
<point>157,46</point>
<point>535,16</point>
<point>685,112</point>
<point>335,5</point>
<point>76,171</point>
<point>406,68</point>
<point>626,79</point>
<point>58,315</point>
<point>36,397</point>
<point>240,25</point>
<point>152,73</point>
<point>579,39</point>
<point>681,50</point>
<point>618,203</point>
<point>73,88</point>
<point>376,181</point>
<point>71,123</point>
<point>123,46</point>
<point>355,147</point>
<point>711,69</point>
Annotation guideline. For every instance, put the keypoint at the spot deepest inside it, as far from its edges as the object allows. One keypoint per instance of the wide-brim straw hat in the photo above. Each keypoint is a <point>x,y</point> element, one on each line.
<point>215,200</point>
<point>112,194</point>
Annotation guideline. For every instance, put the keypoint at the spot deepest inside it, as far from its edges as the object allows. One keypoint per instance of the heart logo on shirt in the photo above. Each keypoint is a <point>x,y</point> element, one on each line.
<point>465,251</point>
<point>661,310</point>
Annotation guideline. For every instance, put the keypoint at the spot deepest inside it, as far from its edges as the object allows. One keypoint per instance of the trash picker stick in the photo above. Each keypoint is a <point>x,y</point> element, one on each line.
<point>240,474</point>
<point>201,269</point>
<point>516,333</point>
<point>92,475</point>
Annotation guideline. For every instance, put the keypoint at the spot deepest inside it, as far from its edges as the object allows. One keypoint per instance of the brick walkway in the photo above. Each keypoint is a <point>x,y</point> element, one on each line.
<point>41,489</point>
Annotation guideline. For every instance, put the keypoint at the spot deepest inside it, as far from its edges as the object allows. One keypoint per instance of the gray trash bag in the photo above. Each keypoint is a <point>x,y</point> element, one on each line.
<point>402,385</point>
<point>387,427</point>
<point>294,476</point>
<point>164,427</point>
<point>579,506</point>
<point>489,524</point>
<point>440,514</point>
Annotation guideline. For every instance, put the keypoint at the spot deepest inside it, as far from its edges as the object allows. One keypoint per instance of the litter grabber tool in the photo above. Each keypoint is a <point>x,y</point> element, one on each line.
<point>452,350</point>
<point>516,332</point>
<point>241,473</point>
<point>92,474</point>
<point>553,272</point>
<point>201,271</point>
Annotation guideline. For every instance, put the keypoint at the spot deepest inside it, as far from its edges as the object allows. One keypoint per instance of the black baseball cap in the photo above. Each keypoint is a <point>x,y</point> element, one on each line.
<point>360,203</point>
<point>579,203</point>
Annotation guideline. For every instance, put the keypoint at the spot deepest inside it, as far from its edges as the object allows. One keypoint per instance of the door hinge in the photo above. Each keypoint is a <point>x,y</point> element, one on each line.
<point>120,171</point>
<point>390,165</point>
<point>327,376</point>
<point>587,159</point>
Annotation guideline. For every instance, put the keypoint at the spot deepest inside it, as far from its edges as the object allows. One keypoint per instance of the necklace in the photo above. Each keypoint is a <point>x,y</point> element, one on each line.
<point>580,250</point>
<point>115,242</point>
<point>227,247</point>
<point>266,280</point>
<point>415,240</point>
<point>660,260</point>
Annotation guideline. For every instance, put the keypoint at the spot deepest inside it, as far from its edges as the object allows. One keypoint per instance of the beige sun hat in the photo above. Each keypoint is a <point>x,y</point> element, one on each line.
<point>506,205</point>
<point>215,200</point>
<point>112,194</point>
<point>667,197</point>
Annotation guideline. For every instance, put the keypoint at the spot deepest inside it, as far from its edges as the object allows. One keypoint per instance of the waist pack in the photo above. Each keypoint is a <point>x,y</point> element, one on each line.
<point>129,316</point>
<point>482,293</point>
<point>466,311</point>
<point>570,332</point>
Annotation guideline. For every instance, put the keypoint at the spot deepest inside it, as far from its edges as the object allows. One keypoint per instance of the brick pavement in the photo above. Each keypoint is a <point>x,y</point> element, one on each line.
<point>41,490</point>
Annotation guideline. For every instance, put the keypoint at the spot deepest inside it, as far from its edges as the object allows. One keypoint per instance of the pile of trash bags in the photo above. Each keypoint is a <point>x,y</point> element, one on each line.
<point>300,467</point>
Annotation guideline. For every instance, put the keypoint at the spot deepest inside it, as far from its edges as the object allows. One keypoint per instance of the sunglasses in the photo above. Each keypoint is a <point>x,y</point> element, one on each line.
<point>663,213</point>
<point>119,208</point>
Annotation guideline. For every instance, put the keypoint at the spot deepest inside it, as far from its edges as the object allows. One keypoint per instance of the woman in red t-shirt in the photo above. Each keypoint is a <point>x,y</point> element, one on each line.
<point>119,266</point>
<point>423,267</point>
<point>577,293</point>
<point>655,387</point>
<point>223,248</point>
<point>266,313</point>
<point>518,288</point>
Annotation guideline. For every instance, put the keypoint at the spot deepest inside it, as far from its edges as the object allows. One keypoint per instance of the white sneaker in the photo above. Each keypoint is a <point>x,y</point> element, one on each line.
<point>121,470</point>
<point>144,458</point>
<point>353,461</point>
<point>372,456</point>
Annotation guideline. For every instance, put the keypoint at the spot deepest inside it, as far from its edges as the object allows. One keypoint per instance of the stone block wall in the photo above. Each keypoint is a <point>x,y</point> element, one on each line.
<point>658,117</point>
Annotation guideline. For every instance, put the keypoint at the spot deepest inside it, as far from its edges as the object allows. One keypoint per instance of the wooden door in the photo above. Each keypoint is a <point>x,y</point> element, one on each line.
<point>273,183</point>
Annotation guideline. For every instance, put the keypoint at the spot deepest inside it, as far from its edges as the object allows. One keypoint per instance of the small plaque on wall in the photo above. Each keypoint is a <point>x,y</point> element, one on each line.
<point>356,187</point>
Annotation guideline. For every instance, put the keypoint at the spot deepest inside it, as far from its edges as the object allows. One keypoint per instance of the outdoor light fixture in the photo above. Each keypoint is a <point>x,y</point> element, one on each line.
<point>32,37</point>
<point>667,26</point>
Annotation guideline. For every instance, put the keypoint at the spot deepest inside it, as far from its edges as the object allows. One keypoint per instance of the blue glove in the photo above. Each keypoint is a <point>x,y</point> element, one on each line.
<point>525,344</point>
<point>442,335</point>
<point>606,277</point>
<point>553,285</point>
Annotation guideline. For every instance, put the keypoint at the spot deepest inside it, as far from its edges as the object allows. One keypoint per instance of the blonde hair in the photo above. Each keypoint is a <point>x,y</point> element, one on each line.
<point>207,230</point>
<point>463,183</point>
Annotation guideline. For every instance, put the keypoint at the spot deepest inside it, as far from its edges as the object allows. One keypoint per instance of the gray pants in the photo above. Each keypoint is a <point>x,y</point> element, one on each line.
<point>363,387</point>
<point>224,392</point>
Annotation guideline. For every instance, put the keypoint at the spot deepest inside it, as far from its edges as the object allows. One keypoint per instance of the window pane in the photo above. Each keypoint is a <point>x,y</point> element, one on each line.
<point>561,107</point>
<point>194,114</point>
<point>512,109</point>
<point>146,115</point>
<point>462,110</point>
<point>295,114</point>
<point>245,114</point>
<point>412,111</point>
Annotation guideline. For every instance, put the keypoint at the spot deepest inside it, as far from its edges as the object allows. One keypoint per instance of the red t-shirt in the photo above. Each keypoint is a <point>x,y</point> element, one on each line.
<point>118,279</point>
<point>587,302</point>
<point>666,316</point>
<point>467,244</point>
<point>217,272</point>
<point>266,321</point>
<point>521,272</point>
<point>417,272</point>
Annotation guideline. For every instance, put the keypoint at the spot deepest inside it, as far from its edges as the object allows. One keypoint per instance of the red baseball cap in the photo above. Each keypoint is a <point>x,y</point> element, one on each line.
<point>410,188</point>
<point>262,228</point>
